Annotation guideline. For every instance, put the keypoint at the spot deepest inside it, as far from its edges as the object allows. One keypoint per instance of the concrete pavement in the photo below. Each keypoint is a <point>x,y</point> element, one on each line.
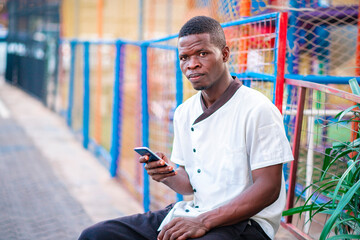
<point>51,188</point>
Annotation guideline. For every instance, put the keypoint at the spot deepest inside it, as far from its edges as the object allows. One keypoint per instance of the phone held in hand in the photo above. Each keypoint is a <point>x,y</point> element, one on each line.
<point>146,151</point>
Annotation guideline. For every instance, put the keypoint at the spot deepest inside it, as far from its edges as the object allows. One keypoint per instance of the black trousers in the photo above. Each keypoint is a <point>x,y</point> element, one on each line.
<point>144,227</point>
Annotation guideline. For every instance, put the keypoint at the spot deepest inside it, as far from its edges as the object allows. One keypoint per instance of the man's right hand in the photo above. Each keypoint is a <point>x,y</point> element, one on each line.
<point>158,170</point>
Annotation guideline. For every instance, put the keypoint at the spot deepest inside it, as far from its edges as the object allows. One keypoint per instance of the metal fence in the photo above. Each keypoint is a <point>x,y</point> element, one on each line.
<point>129,97</point>
<point>311,124</point>
<point>322,39</point>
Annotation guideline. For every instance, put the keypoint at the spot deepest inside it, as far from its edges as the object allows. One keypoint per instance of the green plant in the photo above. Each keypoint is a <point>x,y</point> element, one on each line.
<point>342,191</point>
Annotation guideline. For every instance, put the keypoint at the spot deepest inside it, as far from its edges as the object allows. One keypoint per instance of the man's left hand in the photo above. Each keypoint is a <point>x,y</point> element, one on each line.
<point>182,228</point>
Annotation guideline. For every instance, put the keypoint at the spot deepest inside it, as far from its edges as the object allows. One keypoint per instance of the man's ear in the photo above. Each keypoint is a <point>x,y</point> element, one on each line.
<point>226,53</point>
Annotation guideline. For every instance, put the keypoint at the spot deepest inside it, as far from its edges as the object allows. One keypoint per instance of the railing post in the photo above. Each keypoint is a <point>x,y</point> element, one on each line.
<point>86,100</point>
<point>293,53</point>
<point>179,80</point>
<point>280,59</point>
<point>73,44</point>
<point>357,69</point>
<point>117,108</point>
<point>296,148</point>
<point>292,58</point>
<point>145,120</point>
<point>179,94</point>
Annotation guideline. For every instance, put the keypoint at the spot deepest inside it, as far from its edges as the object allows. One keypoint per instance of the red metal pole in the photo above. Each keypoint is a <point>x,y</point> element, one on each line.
<point>279,89</point>
<point>245,11</point>
<point>296,148</point>
<point>355,125</point>
<point>357,69</point>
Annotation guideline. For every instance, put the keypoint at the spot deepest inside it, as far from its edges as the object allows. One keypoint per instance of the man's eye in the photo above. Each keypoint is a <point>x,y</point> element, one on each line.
<point>202,54</point>
<point>182,58</point>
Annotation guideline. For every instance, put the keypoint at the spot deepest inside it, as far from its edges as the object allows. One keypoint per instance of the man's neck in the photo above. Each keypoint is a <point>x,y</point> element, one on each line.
<point>211,95</point>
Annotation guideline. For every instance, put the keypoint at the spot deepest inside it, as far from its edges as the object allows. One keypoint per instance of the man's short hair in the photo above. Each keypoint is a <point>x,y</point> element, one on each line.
<point>203,24</point>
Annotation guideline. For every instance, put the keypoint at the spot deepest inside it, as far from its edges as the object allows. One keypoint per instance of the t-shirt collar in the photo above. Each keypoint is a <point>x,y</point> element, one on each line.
<point>229,92</point>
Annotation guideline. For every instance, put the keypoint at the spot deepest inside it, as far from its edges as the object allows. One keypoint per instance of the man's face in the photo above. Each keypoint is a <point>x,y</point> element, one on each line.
<point>202,62</point>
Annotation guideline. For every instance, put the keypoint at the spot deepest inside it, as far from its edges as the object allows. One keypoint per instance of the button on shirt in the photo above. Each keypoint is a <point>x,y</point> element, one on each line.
<point>220,151</point>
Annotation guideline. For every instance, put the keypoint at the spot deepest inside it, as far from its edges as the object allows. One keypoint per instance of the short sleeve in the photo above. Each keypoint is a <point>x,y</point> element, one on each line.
<point>267,143</point>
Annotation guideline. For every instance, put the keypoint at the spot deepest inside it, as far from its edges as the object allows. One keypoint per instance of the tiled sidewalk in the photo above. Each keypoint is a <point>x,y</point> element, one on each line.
<point>50,187</point>
<point>34,203</point>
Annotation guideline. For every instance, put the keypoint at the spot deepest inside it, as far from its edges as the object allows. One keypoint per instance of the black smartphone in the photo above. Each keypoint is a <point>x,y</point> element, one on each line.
<point>146,151</point>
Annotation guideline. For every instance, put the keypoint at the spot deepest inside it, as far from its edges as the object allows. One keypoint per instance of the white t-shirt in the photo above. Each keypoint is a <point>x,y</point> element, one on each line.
<point>220,151</point>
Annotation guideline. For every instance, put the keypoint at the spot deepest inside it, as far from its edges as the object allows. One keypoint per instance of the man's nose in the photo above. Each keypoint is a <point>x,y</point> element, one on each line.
<point>193,63</point>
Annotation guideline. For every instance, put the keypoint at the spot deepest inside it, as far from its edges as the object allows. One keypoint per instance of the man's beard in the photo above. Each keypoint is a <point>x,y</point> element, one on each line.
<point>200,88</point>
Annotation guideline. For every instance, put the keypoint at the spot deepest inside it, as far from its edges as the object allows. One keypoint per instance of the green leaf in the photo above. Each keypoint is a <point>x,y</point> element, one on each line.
<point>319,191</point>
<point>344,201</point>
<point>339,144</point>
<point>349,163</point>
<point>355,143</point>
<point>346,111</point>
<point>350,221</point>
<point>326,161</point>
<point>356,175</point>
<point>337,116</point>
<point>354,86</point>
<point>339,185</point>
<point>300,209</point>
<point>344,236</point>
<point>350,176</point>
<point>324,208</point>
<point>341,154</point>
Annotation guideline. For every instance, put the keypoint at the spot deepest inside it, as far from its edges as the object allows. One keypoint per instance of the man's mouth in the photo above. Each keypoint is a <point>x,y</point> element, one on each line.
<point>194,76</point>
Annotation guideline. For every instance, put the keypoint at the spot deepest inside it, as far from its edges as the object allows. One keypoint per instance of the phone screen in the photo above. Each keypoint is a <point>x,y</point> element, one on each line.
<point>146,151</point>
<point>152,156</point>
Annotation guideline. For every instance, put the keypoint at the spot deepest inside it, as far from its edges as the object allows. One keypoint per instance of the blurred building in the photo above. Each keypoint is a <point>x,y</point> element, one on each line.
<point>3,34</point>
<point>32,46</point>
<point>134,20</point>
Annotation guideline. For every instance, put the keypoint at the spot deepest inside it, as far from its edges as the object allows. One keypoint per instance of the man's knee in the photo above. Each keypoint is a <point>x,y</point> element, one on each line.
<point>97,231</point>
<point>113,229</point>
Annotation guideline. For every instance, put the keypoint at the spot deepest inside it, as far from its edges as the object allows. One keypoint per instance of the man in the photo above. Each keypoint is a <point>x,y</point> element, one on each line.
<point>229,143</point>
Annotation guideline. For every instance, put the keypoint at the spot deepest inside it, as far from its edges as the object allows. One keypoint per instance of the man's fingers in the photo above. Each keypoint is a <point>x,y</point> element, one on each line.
<point>181,234</point>
<point>162,235</point>
<point>173,231</point>
<point>161,155</point>
<point>143,159</point>
<point>158,167</point>
<point>181,229</point>
<point>162,174</point>
<point>167,235</point>
<point>162,177</point>
<point>183,237</point>
<point>155,164</point>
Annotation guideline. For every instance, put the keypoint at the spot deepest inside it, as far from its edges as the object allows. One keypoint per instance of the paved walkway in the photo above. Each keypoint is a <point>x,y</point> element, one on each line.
<point>34,203</point>
<point>50,187</point>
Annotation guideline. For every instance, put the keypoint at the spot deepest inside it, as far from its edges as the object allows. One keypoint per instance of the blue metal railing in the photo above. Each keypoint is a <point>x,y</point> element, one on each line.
<point>117,114</point>
<point>117,106</point>
<point>71,83</point>
<point>145,120</point>
<point>118,82</point>
<point>86,114</point>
